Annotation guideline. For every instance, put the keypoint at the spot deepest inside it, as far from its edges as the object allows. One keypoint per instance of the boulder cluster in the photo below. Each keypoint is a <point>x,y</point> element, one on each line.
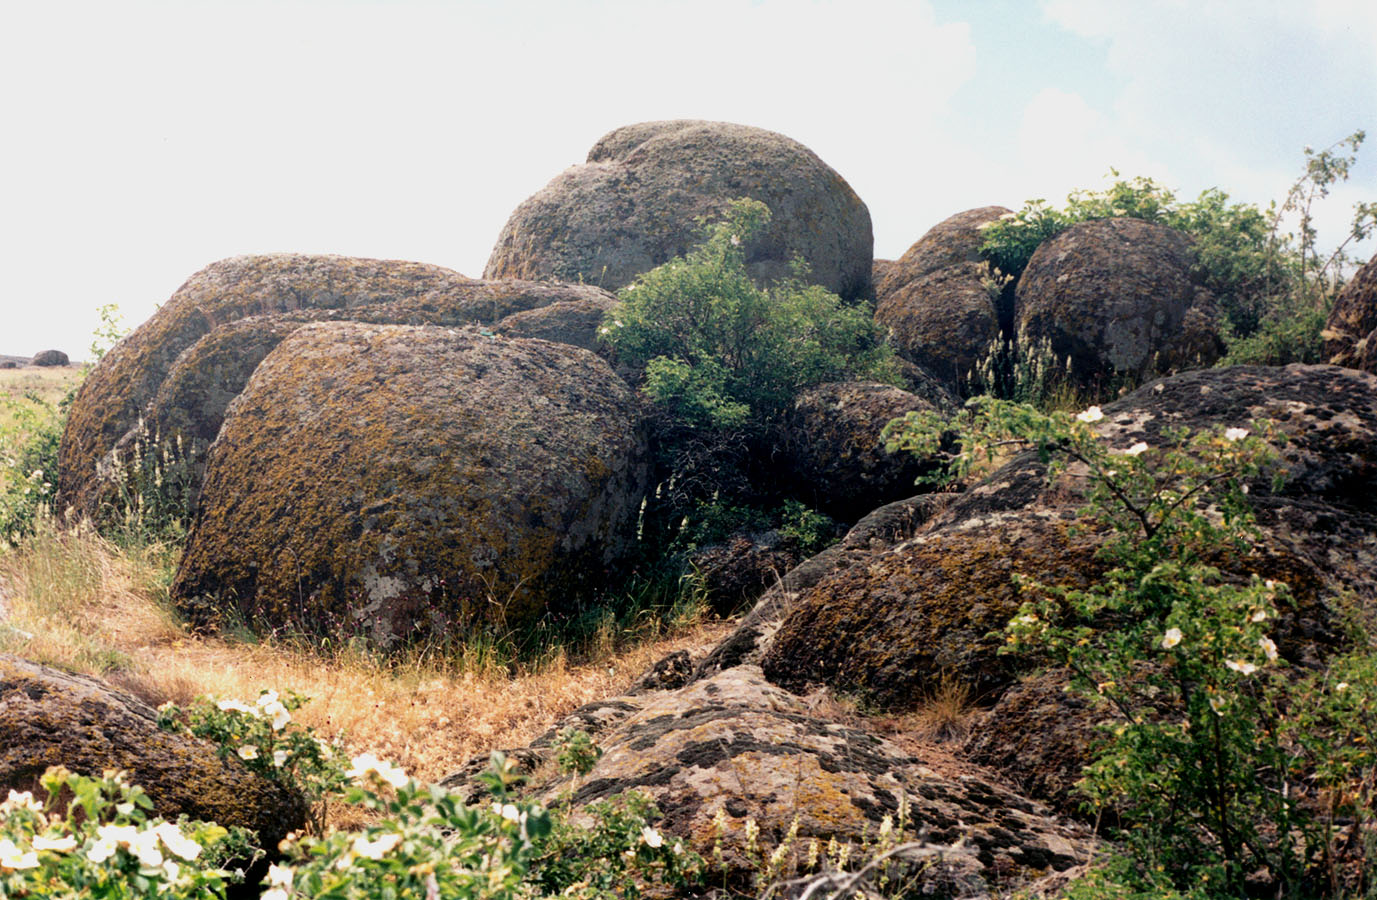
<point>391,451</point>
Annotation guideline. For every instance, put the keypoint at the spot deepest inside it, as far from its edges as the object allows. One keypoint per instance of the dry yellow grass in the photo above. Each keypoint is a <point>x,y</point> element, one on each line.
<point>76,601</point>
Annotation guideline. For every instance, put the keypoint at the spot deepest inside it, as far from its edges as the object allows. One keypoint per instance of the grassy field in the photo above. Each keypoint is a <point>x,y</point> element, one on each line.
<point>73,599</point>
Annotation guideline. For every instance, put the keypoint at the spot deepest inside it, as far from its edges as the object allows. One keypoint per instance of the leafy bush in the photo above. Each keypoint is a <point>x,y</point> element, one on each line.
<point>93,838</point>
<point>28,466</point>
<point>1267,281</point>
<point>1200,751</point>
<point>264,737</point>
<point>720,351</point>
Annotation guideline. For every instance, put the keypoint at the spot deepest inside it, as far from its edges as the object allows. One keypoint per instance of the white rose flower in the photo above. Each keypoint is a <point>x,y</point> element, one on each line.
<point>1092,414</point>
<point>1171,638</point>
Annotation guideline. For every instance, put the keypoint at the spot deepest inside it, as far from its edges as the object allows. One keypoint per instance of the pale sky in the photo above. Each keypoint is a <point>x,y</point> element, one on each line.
<point>143,140</point>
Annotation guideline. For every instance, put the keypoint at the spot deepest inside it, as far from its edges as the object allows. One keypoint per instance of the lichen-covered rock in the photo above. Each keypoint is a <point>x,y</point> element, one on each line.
<point>946,321</point>
<point>736,747</point>
<point>955,241</point>
<point>1351,332</point>
<point>833,454</point>
<point>737,571</point>
<point>576,322</point>
<point>186,413</point>
<point>889,624</point>
<point>399,482</point>
<point>926,608</point>
<point>50,358</point>
<point>1118,298</point>
<point>635,203</point>
<point>113,396</point>
<point>1042,735</point>
<point>50,718</point>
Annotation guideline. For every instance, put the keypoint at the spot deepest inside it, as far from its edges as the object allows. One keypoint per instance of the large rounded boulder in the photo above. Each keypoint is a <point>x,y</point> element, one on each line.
<point>401,482</point>
<point>54,718</point>
<point>1351,332</point>
<point>112,397</point>
<point>938,302</point>
<point>954,241</point>
<point>636,202</point>
<point>1116,297</point>
<point>166,386</point>
<point>50,358</point>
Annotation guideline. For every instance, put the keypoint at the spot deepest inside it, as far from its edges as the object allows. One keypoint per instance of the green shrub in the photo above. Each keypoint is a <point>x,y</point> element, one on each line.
<point>28,465</point>
<point>93,838</point>
<point>720,351</point>
<point>267,741</point>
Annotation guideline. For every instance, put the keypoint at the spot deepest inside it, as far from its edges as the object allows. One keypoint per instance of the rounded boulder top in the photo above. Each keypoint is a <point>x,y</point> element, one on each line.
<point>113,396</point>
<point>1117,296</point>
<point>639,199</point>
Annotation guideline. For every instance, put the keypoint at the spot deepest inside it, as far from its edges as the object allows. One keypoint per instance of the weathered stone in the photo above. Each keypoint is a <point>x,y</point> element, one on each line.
<point>834,453</point>
<point>635,203</point>
<point>737,571</point>
<point>955,241</point>
<point>51,718</point>
<point>51,358</point>
<point>945,320</point>
<point>888,625</point>
<point>1117,297</point>
<point>576,322</point>
<point>399,482</point>
<point>1351,331</point>
<point>735,746</point>
<point>113,396</point>
<point>186,413</point>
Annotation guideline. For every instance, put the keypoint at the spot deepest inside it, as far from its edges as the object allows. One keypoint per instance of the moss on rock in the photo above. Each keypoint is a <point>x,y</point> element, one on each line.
<point>405,482</point>
<point>50,718</point>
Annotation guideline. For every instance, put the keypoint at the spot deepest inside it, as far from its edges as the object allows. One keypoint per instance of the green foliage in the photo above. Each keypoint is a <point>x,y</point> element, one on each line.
<point>108,333</point>
<point>266,739</point>
<point>1271,285</point>
<point>1205,728</point>
<point>719,351</point>
<point>94,838</point>
<point>809,530</point>
<point>575,752</point>
<point>28,465</point>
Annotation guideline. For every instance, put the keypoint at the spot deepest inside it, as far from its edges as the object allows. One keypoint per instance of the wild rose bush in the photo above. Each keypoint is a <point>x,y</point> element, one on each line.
<point>1211,749</point>
<point>93,838</point>
<point>266,739</point>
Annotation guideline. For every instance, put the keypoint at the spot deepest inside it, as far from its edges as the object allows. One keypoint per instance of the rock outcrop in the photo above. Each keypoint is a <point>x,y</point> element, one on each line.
<point>1117,297</point>
<point>50,358</point>
<point>635,203</point>
<point>170,381</point>
<point>400,482</point>
<point>911,612</point>
<point>1351,331</point>
<point>733,748</point>
<point>955,241</point>
<point>938,302</point>
<point>576,322</point>
<point>835,455</point>
<point>50,718</point>
<point>113,396</point>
